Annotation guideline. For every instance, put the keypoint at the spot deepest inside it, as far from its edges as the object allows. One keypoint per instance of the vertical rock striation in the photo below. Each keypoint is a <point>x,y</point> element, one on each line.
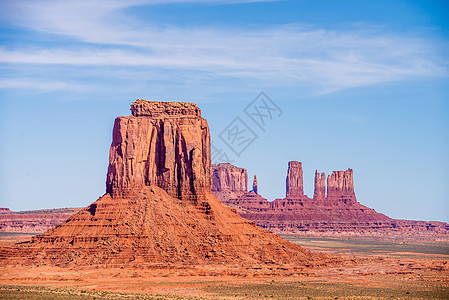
<point>164,144</point>
<point>228,181</point>
<point>226,177</point>
<point>294,181</point>
<point>340,186</point>
<point>320,186</point>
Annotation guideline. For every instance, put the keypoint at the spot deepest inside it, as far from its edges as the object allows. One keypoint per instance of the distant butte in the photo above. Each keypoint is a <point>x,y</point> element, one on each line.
<point>158,210</point>
<point>332,213</point>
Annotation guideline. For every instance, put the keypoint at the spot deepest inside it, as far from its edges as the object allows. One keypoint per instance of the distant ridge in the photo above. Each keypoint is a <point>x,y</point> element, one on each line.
<point>34,221</point>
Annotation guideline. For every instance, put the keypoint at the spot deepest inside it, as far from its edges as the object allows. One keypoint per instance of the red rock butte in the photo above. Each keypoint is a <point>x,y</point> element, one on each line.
<point>336,211</point>
<point>158,208</point>
<point>164,144</point>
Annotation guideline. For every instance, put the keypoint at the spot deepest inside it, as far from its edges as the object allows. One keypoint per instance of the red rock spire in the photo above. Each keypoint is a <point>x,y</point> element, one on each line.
<point>320,186</point>
<point>255,184</point>
<point>294,182</point>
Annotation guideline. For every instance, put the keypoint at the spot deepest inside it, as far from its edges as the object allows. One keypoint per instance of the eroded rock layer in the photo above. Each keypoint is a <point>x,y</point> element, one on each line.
<point>337,212</point>
<point>156,228</point>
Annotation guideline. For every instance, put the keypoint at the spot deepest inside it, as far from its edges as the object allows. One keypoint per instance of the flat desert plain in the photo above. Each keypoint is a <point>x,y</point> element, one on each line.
<point>384,270</point>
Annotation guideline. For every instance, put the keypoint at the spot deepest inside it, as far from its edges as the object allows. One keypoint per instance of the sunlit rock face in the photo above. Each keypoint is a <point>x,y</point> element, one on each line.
<point>165,144</point>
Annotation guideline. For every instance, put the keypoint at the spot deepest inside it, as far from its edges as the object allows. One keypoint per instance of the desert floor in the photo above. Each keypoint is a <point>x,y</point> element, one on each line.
<point>387,269</point>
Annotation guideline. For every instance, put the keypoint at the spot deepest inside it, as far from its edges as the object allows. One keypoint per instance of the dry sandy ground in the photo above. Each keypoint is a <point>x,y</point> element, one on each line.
<point>386,271</point>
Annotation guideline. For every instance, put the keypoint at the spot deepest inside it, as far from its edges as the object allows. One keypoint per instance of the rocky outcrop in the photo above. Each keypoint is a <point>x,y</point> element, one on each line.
<point>294,181</point>
<point>165,144</point>
<point>255,184</point>
<point>250,202</point>
<point>226,177</point>
<point>159,211</point>
<point>340,186</point>
<point>228,181</point>
<point>338,212</point>
<point>4,210</point>
<point>319,187</point>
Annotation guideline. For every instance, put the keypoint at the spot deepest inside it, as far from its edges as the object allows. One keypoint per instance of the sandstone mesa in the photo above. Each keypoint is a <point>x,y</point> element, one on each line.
<point>158,209</point>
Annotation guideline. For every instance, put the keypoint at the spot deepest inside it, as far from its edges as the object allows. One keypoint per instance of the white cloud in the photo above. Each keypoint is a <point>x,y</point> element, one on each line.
<point>279,55</point>
<point>38,85</point>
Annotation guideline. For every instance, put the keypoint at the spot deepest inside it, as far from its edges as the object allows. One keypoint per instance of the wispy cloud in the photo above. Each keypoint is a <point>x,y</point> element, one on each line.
<point>280,55</point>
<point>38,85</point>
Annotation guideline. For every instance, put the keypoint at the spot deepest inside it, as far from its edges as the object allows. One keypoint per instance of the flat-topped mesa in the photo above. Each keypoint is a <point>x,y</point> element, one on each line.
<point>166,144</point>
<point>226,177</point>
<point>294,181</point>
<point>340,185</point>
<point>320,186</point>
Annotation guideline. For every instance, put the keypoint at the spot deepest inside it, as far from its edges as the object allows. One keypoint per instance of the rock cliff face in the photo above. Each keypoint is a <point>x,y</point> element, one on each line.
<point>159,211</point>
<point>340,186</point>
<point>338,212</point>
<point>165,144</point>
<point>320,186</point>
<point>294,181</point>
<point>226,177</point>
<point>228,181</point>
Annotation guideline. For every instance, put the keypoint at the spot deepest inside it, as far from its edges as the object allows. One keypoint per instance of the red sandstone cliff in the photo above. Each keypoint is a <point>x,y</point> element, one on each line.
<point>340,187</point>
<point>294,180</point>
<point>164,144</point>
<point>337,212</point>
<point>158,209</point>
<point>320,187</point>
<point>228,181</point>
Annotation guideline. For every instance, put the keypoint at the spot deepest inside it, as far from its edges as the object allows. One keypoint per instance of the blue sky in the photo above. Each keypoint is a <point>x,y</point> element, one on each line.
<point>361,84</point>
